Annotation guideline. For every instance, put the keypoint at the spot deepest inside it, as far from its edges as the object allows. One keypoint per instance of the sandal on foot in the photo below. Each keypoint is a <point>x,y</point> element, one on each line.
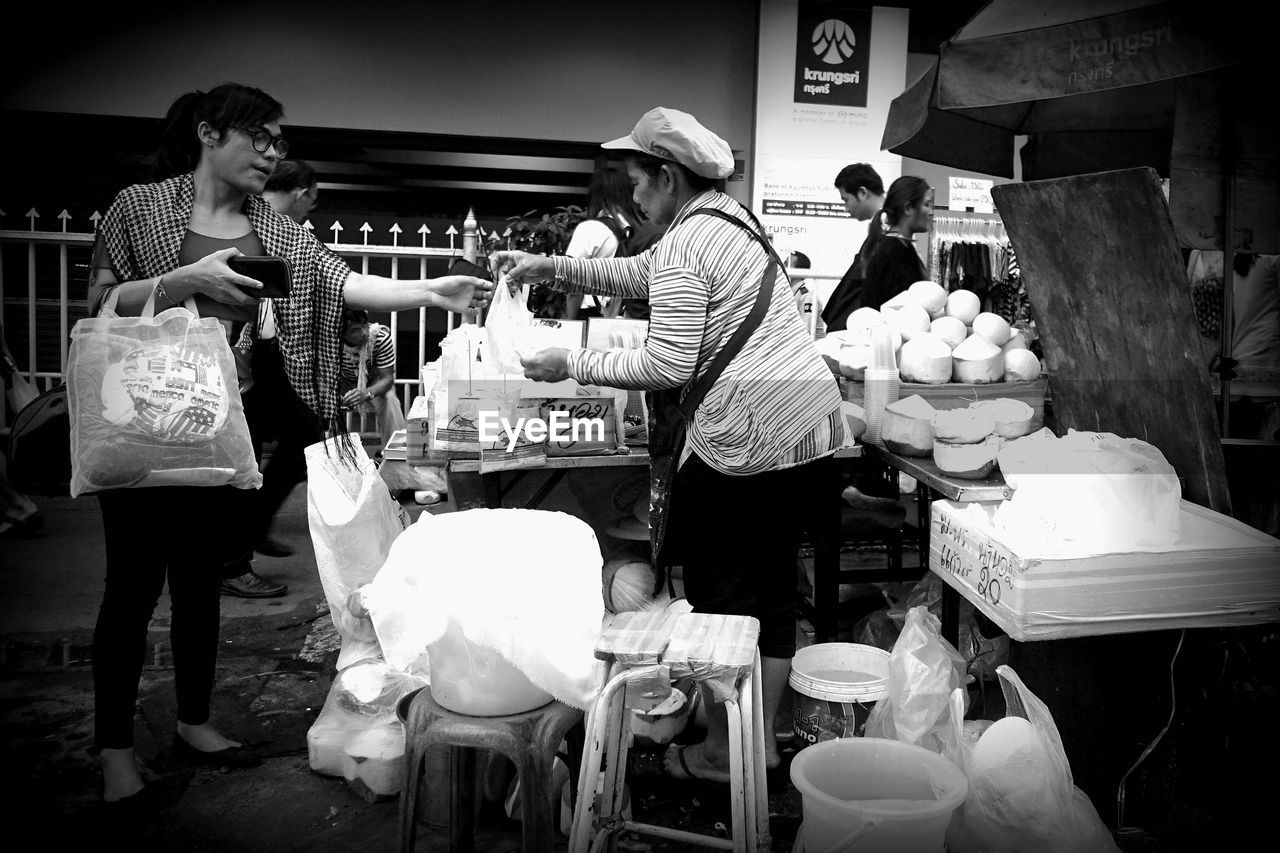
<point>689,775</point>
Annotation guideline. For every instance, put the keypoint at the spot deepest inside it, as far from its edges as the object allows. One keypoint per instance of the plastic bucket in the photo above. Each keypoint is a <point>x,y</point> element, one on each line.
<point>836,686</point>
<point>872,795</point>
<point>471,679</point>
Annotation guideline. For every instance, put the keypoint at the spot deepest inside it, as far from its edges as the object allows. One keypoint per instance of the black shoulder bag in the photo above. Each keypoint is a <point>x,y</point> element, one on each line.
<point>669,415</point>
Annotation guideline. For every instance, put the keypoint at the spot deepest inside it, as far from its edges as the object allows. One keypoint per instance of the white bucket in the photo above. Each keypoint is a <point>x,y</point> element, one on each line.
<point>471,679</point>
<point>836,686</point>
<point>873,795</point>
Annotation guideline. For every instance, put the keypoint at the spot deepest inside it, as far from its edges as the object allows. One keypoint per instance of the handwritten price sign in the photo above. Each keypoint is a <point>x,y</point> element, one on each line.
<point>972,558</point>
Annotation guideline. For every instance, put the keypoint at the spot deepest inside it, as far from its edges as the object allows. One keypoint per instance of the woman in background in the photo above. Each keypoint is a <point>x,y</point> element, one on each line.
<point>895,264</point>
<point>616,229</point>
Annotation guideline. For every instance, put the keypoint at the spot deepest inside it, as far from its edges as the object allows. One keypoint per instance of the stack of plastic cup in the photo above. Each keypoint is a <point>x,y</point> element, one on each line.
<point>880,382</point>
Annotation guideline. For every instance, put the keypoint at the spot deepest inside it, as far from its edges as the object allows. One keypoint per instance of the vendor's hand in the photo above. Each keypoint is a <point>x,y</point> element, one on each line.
<point>212,277</point>
<point>460,293</point>
<point>547,365</point>
<point>353,398</point>
<point>521,267</point>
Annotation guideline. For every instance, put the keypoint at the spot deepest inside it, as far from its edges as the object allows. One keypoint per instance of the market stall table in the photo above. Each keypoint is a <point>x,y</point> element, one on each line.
<point>932,484</point>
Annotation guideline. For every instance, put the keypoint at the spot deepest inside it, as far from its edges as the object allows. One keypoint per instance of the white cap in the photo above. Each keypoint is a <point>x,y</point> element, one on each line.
<point>677,136</point>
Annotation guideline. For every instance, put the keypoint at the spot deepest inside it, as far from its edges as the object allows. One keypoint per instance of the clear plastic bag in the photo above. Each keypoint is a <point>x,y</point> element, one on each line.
<point>924,671</point>
<point>357,734</point>
<point>154,401</point>
<point>1021,792</point>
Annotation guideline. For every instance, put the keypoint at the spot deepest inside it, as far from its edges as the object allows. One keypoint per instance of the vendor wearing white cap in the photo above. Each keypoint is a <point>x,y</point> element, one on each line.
<point>749,471</point>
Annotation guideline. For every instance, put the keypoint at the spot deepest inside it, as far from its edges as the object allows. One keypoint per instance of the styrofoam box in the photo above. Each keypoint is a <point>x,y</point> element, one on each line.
<point>1220,573</point>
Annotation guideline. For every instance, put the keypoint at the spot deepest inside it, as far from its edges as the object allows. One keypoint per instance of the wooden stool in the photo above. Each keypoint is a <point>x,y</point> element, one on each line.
<point>716,650</point>
<point>530,740</point>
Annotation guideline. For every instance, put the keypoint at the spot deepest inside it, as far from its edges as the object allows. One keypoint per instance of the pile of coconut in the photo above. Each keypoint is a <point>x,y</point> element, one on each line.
<point>963,441</point>
<point>937,337</point>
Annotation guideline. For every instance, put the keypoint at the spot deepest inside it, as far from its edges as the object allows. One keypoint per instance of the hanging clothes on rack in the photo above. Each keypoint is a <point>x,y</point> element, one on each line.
<point>973,254</point>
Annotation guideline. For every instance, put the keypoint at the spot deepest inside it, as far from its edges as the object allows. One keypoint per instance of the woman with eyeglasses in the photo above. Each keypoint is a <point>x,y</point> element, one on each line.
<point>172,240</point>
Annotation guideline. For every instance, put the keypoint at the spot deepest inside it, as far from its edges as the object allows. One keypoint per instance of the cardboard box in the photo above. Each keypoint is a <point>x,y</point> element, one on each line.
<point>1220,573</point>
<point>552,332</point>
<point>588,425</point>
<point>605,333</point>
<point>417,433</point>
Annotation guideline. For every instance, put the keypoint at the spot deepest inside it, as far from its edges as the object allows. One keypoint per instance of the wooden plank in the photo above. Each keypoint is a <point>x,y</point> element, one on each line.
<point>1107,288</point>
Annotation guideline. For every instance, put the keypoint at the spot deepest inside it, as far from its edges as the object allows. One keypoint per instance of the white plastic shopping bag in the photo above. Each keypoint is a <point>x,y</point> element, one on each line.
<point>506,325</point>
<point>154,401</point>
<point>353,521</point>
<point>1021,792</point>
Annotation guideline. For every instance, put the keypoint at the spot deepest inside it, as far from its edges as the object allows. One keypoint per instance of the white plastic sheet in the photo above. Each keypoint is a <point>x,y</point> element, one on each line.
<point>524,583</point>
<point>1089,492</point>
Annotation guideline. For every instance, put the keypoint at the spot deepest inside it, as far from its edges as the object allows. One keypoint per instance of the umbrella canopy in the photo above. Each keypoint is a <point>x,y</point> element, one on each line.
<point>1102,73</point>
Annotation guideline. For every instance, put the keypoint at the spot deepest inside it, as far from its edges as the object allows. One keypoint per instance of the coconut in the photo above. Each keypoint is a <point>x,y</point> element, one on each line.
<point>897,301</point>
<point>1012,417</point>
<point>855,419</point>
<point>905,426</point>
<point>993,327</point>
<point>950,330</point>
<point>909,320</point>
<point>976,360</point>
<point>1017,340</point>
<point>864,317</point>
<point>930,296</point>
<point>963,426</point>
<point>829,348</point>
<point>925,358</point>
<point>853,361</point>
<point>964,305</point>
<point>1021,365</point>
<point>966,461</point>
<point>627,585</point>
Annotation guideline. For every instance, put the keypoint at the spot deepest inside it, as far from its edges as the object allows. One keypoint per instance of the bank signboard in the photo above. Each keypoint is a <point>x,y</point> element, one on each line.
<point>833,53</point>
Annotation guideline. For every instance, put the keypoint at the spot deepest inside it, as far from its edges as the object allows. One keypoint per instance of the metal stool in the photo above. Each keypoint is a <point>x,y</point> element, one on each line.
<point>530,740</point>
<point>716,650</point>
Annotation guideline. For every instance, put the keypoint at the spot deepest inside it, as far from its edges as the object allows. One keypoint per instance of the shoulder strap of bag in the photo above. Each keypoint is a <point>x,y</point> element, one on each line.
<point>763,294</point>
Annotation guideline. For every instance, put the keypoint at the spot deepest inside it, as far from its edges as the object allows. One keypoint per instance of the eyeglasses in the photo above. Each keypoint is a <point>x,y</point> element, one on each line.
<point>262,140</point>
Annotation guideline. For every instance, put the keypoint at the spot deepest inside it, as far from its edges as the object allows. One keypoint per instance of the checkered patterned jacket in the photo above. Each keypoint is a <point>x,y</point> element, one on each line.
<point>143,231</point>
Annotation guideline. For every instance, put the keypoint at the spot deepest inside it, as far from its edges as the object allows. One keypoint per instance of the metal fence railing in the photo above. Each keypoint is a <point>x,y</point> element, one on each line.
<point>44,281</point>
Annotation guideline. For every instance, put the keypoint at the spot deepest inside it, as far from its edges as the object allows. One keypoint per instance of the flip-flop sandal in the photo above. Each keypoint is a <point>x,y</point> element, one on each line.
<point>689,776</point>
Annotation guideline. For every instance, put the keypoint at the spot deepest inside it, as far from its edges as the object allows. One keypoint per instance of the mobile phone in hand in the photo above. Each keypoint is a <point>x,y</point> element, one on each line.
<point>276,274</point>
<point>461,266</point>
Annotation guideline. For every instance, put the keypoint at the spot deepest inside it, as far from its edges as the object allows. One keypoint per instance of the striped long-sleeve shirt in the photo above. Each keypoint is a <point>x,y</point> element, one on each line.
<point>776,404</point>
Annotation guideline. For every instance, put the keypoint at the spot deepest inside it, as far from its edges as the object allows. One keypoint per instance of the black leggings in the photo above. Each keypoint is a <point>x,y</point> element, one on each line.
<point>740,537</point>
<point>174,532</point>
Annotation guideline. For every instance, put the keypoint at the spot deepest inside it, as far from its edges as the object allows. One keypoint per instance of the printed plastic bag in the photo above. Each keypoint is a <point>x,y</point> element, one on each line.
<point>924,671</point>
<point>506,325</point>
<point>154,401</point>
<point>353,522</point>
<point>1021,793</point>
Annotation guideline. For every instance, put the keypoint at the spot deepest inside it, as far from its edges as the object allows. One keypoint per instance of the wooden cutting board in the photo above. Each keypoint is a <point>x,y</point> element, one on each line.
<point>1109,294</point>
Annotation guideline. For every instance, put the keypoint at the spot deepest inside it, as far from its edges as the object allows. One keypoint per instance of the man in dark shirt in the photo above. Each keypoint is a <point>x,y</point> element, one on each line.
<point>862,192</point>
